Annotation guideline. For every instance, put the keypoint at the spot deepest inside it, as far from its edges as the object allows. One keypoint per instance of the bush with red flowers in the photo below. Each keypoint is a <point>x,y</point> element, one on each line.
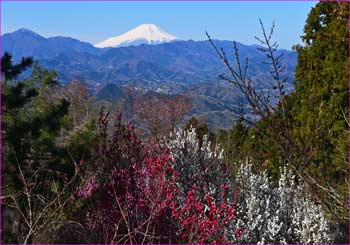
<point>136,194</point>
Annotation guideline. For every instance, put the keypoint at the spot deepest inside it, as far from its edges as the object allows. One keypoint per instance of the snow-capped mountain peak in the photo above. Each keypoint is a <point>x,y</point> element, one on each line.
<point>145,33</point>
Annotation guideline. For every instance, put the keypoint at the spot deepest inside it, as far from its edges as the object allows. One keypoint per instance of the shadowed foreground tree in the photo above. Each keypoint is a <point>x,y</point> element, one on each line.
<point>320,104</point>
<point>38,172</point>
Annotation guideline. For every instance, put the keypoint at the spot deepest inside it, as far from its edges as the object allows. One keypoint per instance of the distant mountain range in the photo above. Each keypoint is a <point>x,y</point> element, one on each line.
<point>168,68</point>
<point>25,42</point>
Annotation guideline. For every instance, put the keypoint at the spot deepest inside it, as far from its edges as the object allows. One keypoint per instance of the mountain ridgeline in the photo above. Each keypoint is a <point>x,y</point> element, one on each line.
<point>169,68</point>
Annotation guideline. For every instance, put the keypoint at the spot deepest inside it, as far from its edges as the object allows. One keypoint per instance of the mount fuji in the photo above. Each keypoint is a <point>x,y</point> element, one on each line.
<point>142,34</point>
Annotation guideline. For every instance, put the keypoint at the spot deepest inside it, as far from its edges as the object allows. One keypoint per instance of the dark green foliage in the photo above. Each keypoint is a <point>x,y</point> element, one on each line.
<point>29,131</point>
<point>320,104</point>
<point>322,75</point>
<point>36,157</point>
<point>233,141</point>
<point>10,71</point>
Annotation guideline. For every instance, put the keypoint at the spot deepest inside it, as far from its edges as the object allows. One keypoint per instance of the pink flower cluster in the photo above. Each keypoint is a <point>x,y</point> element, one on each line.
<point>86,190</point>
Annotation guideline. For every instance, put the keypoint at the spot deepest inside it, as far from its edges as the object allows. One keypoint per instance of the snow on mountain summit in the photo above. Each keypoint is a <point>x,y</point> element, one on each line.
<point>145,33</point>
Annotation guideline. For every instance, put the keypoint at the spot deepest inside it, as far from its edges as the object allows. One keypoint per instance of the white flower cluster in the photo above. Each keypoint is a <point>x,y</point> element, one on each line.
<point>197,162</point>
<point>185,142</point>
<point>282,214</point>
<point>266,213</point>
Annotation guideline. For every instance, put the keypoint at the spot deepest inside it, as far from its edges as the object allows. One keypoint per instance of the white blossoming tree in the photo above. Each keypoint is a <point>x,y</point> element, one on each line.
<point>278,214</point>
<point>198,163</point>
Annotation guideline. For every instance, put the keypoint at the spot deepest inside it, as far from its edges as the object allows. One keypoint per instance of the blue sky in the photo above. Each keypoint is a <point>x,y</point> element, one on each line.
<point>96,21</point>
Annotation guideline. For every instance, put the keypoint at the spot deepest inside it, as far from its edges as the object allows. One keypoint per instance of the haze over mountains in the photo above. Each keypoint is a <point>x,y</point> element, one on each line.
<point>168,66</point>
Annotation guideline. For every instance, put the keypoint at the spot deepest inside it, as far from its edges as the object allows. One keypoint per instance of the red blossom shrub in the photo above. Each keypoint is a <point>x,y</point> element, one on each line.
<point>133,194</point>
